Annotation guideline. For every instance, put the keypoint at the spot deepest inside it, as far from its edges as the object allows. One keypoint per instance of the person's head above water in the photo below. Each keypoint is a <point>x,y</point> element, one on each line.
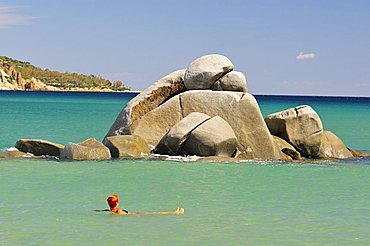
<point>113,201</point>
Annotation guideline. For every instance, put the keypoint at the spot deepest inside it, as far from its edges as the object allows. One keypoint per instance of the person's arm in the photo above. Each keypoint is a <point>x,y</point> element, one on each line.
<point>178,211</point>
<point>118,211</point>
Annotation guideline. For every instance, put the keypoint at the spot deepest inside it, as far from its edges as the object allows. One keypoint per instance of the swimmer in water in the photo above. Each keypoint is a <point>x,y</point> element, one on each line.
<point>113,205</point>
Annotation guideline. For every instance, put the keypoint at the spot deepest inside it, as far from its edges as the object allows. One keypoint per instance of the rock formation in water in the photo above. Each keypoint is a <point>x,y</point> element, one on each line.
<point>302,127</point>
<point>206,110</point>
<point>174,117</point>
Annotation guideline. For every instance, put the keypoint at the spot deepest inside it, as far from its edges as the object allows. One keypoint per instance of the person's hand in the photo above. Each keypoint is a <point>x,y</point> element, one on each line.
<point>180,210</point>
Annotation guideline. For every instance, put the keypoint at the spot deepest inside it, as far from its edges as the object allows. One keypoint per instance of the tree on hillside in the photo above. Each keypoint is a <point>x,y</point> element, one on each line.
<point>118,84</point>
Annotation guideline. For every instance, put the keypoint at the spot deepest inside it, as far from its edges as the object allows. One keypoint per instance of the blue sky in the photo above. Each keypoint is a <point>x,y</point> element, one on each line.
<point>283,47</point>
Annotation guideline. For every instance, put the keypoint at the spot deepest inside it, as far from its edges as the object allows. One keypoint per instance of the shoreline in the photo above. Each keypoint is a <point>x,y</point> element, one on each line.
<point>137,92</point>
<point>72,91</point>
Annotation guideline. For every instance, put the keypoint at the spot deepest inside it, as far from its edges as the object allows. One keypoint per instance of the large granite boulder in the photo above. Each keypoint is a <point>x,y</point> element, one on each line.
<point>39,147</point>
<point>233,81</point>
<point>90,149</point>
<point>127,146</point>
<point>332,147</point>
<point>300,126</point>
<point>287,149</point>
<point>146,101</point>
<point>214,137</point>
<point>242,113</point>
<point>155,124</point>
<point>203,72</point>
<point>239,109</point>
<point>173,141</point>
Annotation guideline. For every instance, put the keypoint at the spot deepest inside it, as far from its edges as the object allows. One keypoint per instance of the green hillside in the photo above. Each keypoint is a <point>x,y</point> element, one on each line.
<point>58,79</point>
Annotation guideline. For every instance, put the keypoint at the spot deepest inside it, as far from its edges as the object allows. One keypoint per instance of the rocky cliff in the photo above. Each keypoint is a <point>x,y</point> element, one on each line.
<point>11,79</point>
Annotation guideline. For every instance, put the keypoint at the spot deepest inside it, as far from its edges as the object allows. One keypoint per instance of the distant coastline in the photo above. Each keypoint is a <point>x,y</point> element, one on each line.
<point>70,91</point>
<point>276,96</point>
<point>20,75</point>
<point>311,96</point>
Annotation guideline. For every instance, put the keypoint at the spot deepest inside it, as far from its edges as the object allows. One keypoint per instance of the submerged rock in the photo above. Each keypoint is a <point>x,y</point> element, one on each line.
<point>203,72</point>
<point>359,153</point>
<point>127,146</point>
<point>90,149</point>
<point>219,159</point>
<point>15,154</point>
<point>39,147</point>
<point>300,126</point>
<point>173,141</point>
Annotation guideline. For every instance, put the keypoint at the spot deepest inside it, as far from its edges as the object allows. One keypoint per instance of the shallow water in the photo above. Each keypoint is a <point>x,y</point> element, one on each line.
<point>57,116</point>
<point>46,201</point>
<point>50,202</point>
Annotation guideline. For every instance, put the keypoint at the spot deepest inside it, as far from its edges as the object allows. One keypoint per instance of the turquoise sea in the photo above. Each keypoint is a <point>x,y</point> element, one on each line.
<point>51,202</point>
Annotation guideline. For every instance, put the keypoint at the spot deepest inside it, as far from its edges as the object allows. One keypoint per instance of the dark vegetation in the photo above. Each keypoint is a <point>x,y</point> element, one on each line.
<point>61,80</point>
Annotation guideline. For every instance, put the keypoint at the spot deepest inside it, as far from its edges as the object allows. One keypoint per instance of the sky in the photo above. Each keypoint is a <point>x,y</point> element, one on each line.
<point>283,47</point>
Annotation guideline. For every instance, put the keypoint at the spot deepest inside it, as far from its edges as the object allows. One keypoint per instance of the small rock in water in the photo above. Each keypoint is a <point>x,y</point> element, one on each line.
<point>39,147</point>
<point>90,149</point>
<point>14,154</point>
<point>127,146</point>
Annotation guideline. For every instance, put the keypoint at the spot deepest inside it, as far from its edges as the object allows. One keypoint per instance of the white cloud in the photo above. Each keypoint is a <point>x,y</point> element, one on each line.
<point>9,17</point>
<point>304,56</point>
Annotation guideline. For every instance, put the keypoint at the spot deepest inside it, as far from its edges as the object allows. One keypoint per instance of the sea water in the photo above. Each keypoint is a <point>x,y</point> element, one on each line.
<point>51,202</point>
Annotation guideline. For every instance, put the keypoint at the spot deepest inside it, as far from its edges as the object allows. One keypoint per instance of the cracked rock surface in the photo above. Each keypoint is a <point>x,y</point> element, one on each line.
<point>300,126</point>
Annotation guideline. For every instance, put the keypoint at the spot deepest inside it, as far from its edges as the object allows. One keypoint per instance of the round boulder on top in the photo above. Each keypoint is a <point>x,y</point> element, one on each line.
<point>203,72</point>
<point>215,137</point>
<point>233,81</point>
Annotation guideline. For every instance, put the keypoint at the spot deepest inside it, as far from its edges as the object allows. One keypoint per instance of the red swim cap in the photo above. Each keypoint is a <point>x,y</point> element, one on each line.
<point>112,200</point>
